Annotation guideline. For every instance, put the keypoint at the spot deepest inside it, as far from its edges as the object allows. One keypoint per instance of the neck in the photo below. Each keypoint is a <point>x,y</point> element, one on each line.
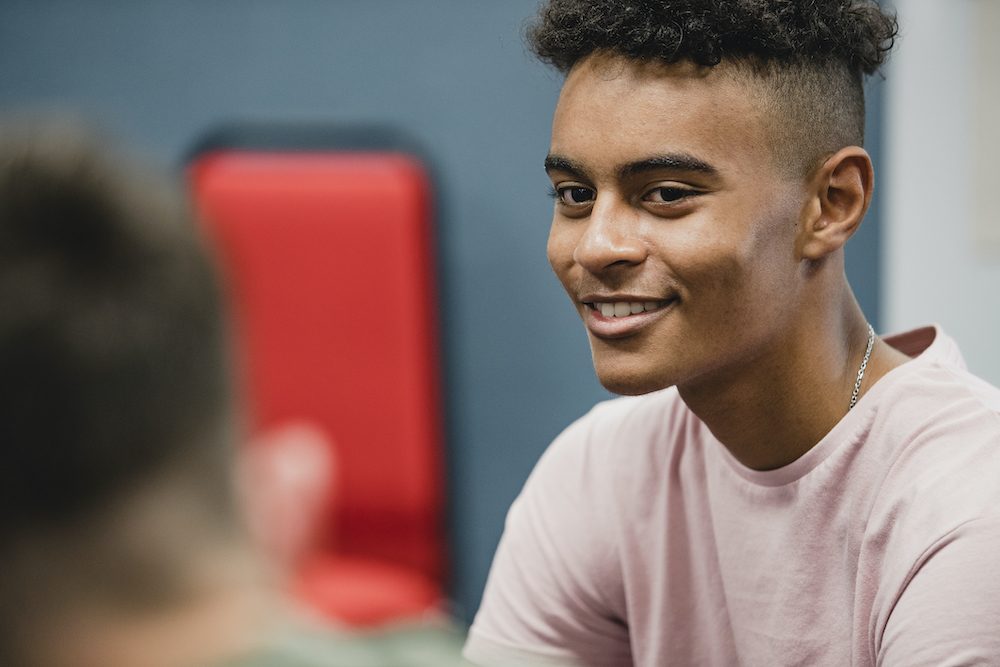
<point>226,615</point>
<point>159,579</point>
<point>774,409</point>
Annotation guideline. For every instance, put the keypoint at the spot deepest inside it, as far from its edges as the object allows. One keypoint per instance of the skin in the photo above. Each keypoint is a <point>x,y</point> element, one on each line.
<point>668,190</point>
<point>156,581</point>
<point>225,618</point>
<point>227,601</point>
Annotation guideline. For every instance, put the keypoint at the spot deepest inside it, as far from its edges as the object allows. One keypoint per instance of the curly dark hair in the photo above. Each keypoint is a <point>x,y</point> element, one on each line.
<point>811,55</point>
<point>858,33</point>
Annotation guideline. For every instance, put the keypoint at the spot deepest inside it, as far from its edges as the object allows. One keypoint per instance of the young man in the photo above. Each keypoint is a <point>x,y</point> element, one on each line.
<point>122,539</point>
<point>782,486</point>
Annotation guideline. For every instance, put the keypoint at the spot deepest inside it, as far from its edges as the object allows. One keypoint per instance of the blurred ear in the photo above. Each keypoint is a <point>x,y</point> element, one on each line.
<point>287,479</point>
<point>841,191</point>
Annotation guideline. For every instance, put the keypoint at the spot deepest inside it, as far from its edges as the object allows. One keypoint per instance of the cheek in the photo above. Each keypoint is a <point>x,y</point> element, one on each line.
<point>761,285</point>
<point>704,257</point>
<point>560,248</point>
<point>734,278</point>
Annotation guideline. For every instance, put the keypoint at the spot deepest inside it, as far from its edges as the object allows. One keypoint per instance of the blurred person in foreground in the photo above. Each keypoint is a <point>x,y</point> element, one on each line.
<point>781,486</point>
<point>125,534</point>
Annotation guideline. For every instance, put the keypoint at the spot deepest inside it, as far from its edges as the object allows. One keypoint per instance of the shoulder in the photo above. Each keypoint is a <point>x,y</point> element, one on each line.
<point>579,474</point>
<point>933,526</point>
<point>620,428</point>
<point>554,593</point>
<point>935,414</point>
<point>306,644</point>
<point>943,420</point>
<point>940,428</point>
<point>937,380</point>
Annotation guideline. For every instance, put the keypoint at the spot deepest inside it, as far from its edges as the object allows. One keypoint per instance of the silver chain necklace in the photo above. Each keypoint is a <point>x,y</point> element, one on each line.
<point>864,365</point>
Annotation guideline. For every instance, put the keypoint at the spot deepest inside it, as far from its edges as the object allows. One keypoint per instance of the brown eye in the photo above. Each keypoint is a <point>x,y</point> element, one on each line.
<point>575,195</point>
<point>667,195</point>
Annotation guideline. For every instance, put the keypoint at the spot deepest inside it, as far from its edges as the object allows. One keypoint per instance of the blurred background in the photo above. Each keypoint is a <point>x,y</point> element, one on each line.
<point>454,77</point>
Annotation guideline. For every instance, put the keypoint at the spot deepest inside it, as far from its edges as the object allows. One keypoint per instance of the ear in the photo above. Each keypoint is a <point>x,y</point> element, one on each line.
<point>841,191</point>
<point>287,486</point>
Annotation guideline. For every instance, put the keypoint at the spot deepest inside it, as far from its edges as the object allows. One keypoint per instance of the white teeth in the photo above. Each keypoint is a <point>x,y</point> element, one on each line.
<point>626,308</point>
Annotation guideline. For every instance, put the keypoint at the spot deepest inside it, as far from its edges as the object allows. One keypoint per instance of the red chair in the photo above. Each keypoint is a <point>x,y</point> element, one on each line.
<point>328,258</point>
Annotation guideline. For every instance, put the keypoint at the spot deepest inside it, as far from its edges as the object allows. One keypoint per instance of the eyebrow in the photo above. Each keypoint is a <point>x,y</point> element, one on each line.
<point>669,161</point>
<point>559,163</point>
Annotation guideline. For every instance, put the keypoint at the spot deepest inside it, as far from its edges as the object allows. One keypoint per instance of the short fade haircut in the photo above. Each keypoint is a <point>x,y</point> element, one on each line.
<point>113,367</point>
<point>811,57</point>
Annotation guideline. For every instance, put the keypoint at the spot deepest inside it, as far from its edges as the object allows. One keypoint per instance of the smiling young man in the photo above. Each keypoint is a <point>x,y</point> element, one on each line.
<point>781,486</point>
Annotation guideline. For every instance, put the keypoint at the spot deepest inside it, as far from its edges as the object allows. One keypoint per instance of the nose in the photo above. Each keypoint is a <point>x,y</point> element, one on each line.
<point>611,238</point>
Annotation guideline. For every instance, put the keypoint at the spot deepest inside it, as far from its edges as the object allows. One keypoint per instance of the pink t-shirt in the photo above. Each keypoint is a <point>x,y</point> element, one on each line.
<point>638,539</point>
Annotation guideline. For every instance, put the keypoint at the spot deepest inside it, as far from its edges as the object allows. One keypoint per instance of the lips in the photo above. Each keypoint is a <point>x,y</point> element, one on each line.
<point>625,308</point>
<point>618,317</point>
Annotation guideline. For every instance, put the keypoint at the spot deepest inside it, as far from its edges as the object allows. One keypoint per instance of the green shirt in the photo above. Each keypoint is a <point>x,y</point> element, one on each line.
<point>402,646</point>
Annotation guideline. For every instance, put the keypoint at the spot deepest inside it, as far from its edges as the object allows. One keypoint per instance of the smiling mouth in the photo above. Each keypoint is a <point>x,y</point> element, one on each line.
<point>628,308</point>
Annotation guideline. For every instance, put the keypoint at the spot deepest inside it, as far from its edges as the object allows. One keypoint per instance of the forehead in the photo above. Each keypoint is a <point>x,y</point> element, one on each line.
<point>613,111</point>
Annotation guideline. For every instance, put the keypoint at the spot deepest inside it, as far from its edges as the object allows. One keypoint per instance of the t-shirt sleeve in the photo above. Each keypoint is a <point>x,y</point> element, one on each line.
<point>553,596</point>
<point>949,611</point>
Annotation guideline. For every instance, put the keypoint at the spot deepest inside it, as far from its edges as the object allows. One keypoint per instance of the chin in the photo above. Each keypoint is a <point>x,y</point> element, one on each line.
<point>631,384</point>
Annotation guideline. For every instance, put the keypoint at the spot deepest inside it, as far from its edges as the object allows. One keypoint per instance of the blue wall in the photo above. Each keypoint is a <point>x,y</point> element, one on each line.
<point>454,75</point>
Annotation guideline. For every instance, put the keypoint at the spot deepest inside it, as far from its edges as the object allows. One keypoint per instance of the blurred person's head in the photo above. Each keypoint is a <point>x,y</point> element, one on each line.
<point>121,540</point>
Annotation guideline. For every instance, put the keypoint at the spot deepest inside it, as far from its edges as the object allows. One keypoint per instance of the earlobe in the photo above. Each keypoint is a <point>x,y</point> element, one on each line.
<point>841,194</point>
<point>286,478</point>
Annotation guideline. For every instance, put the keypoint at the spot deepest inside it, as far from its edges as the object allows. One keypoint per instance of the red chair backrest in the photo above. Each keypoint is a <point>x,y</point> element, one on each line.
<point>328,258</point>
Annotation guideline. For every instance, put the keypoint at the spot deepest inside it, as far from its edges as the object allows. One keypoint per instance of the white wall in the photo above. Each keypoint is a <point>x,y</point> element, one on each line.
<point>942,224</point>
